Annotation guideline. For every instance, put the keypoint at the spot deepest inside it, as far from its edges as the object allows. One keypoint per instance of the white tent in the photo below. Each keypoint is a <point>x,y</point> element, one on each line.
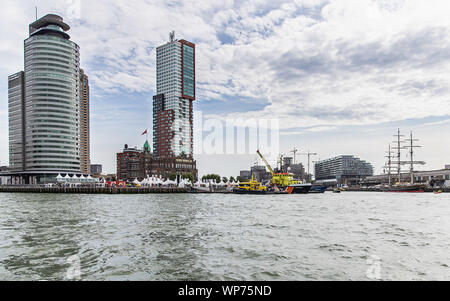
<point>170,182</point>
<point>136,181</point>
<point>59,178</point>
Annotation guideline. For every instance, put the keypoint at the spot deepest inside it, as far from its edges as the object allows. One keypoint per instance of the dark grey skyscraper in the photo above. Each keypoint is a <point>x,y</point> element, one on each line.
<point>16,119</point>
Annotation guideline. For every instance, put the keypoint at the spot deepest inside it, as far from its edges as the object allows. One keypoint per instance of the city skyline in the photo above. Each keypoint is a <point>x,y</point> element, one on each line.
<point>331,83</point>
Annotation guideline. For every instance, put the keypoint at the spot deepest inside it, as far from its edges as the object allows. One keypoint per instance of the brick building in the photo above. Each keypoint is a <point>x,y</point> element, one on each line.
<point>135,163</point>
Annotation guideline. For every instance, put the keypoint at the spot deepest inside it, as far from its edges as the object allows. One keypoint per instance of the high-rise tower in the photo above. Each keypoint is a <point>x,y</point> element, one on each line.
<point>44,104</point>
<point>16,108</point>
<point>85,148</point>
<point>172,106</point>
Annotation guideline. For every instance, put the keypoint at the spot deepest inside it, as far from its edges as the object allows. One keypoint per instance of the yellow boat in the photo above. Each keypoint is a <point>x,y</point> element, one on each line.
<point>251,187</point>
<point>279,179</point>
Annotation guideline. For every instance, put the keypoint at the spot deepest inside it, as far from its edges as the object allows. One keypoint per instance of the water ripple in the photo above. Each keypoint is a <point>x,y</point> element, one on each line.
<point>223,237</point>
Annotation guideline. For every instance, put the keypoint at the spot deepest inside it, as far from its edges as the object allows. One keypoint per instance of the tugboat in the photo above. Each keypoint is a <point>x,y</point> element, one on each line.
<point>251,187</point>
<point>285,181</point>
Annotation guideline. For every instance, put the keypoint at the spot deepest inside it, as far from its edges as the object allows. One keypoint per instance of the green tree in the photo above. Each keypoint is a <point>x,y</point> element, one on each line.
<point>232,179</point>
<point>224,179</point>
<point>173,176</point>
<point>214,177</point>
<point>190,177</point>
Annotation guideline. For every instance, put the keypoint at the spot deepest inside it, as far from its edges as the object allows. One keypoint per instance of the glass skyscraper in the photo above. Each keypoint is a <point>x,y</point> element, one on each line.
<point>44,104</point>
<point>172,106</point>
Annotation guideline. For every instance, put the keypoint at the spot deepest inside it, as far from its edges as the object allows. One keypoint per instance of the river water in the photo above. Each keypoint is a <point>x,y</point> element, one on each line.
<point>346,236</point>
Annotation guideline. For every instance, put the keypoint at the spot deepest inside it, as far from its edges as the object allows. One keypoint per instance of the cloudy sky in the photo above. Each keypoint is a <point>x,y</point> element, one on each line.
<point>341,76</point>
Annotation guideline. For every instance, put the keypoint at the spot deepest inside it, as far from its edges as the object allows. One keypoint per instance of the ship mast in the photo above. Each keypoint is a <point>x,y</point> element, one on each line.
<point>389,164</point>
<point>411,147</point>
<point>399,161</point>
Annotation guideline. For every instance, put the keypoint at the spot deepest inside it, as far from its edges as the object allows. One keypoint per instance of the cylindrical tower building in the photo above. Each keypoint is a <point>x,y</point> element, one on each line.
<point>52,85</point>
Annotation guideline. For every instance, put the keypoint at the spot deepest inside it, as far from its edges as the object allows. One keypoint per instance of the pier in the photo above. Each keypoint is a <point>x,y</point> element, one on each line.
<point>92,190</point>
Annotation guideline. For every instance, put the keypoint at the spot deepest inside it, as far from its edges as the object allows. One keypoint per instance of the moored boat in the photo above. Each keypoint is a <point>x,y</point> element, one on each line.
<point>298,188</point>
<point>404,188</point>
<point>250,187</point>
<point>318,188</point>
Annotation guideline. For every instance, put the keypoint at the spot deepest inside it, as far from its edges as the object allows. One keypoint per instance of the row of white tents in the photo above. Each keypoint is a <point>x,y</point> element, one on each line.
<point>149,181</point>
<point>158,181</point>
<point>76,179</point>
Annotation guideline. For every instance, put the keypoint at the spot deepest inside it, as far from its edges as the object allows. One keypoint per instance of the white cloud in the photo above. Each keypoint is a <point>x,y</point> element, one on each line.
<point>315,63</point>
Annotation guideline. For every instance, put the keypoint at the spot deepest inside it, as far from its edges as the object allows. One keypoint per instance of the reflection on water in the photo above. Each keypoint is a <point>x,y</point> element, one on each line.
<point>226,237</point>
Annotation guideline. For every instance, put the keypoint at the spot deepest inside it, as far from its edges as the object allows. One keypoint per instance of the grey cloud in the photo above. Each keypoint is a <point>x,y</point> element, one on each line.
<point>423,49</point>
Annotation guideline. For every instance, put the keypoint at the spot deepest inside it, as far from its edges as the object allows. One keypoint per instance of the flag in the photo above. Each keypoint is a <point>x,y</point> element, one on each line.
<point>145,132</point>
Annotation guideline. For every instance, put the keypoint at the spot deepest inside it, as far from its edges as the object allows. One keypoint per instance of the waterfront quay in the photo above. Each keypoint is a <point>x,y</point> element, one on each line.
<point>378,189</point>
<point>93,190</point>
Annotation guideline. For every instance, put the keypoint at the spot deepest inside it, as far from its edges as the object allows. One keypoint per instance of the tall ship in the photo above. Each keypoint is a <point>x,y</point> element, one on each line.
<point>396,163</point>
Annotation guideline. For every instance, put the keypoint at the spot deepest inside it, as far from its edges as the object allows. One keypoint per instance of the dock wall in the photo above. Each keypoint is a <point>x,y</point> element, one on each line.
<point>94,190</point>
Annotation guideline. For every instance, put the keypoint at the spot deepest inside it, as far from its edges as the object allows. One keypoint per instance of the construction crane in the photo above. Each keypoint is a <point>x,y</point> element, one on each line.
<point>309,154</point>
<point>294,151</point>
<point>279,179</point>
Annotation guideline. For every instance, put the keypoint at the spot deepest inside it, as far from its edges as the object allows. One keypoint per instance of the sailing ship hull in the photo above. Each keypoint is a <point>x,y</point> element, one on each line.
<point>406,188</point>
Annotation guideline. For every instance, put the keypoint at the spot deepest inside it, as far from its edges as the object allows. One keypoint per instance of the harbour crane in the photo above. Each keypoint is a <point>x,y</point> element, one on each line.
<point>265,162</point>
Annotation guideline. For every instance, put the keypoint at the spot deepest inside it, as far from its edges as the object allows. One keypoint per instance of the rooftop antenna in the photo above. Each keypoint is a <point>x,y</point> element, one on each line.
<point>36,13</point>
<point>172,35</point>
